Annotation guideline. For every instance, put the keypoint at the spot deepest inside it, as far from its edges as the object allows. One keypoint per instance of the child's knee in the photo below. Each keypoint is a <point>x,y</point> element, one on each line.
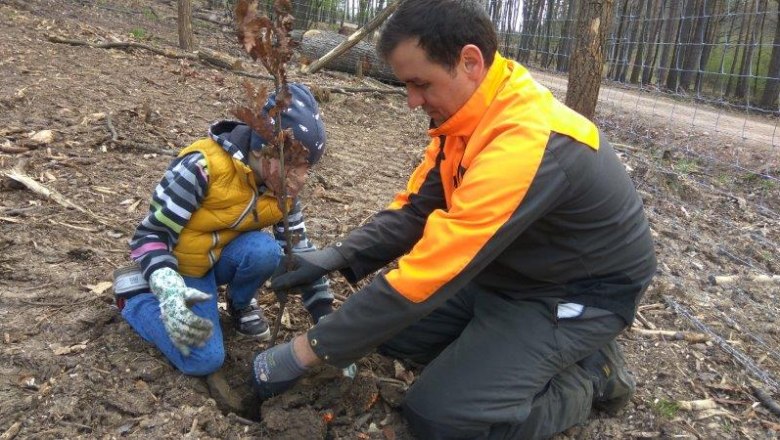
<point>203,361</point>
<point>263,248</point>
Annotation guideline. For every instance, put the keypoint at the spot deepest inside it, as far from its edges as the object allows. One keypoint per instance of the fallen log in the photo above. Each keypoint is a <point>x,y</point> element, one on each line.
<point>352,40</point>
<point>315,44</point>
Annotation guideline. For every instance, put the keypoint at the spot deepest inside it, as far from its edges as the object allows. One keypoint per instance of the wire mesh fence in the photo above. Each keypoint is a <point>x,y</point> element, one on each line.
<point>709,68</point>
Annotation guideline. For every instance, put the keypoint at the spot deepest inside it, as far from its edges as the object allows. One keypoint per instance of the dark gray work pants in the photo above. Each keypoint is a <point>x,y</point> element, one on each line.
<point>500,367</point>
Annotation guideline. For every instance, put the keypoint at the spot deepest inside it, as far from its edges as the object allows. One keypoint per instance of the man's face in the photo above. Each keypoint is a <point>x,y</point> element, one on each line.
<point>268,171</point>
<point>439,91</point>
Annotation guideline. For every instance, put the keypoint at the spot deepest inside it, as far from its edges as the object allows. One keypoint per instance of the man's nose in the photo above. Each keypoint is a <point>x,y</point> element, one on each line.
<point>414,98</point>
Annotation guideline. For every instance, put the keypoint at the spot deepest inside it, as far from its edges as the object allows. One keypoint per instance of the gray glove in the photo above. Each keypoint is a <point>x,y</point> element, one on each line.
<point>276,370</point>
<point>185,328</point>
<point>301,269</point>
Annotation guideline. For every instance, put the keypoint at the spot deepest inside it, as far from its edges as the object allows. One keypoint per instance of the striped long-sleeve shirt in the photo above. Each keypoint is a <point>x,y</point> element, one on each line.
<point>178,195</point>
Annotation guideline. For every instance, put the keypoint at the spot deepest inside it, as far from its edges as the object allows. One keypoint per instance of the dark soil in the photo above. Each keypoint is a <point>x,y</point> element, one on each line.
<point>71,367</point>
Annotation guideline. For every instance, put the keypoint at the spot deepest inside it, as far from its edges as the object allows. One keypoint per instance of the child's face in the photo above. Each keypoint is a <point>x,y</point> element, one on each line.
<point>268,171</point>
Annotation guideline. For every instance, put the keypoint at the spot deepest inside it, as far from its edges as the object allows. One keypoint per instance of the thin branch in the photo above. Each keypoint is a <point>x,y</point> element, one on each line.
<point>691,337</point>
<point>111,129</point>
<point>52,194</point>
<point>147,149</point>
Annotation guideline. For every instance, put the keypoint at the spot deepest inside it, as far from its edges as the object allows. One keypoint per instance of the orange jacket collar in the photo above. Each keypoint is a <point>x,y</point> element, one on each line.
<point>465,120</point>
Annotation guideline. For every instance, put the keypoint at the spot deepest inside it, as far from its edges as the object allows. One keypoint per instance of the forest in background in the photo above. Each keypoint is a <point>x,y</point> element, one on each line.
<point>725,52</point>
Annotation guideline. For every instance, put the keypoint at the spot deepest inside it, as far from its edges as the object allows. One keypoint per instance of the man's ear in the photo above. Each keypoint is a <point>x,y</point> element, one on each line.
<point>472,62</point>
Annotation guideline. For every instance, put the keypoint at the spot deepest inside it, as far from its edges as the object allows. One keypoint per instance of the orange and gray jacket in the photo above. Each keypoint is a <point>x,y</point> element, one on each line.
<point>516,193</point>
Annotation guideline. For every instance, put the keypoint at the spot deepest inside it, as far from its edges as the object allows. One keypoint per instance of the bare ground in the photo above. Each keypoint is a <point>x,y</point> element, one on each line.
<point>70,367</point>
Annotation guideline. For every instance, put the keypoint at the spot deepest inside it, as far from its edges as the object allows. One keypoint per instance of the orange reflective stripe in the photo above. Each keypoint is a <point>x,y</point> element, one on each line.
<point>491,191</point>
<point>418,176</point>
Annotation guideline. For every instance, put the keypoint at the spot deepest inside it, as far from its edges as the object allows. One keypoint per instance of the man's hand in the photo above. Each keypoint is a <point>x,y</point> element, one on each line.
<point>185,328</point>
<point>276,370</point>
<point>301,269</point>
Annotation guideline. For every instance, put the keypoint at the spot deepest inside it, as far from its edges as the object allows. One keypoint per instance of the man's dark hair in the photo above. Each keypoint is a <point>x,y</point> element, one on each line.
<point>443,28</point>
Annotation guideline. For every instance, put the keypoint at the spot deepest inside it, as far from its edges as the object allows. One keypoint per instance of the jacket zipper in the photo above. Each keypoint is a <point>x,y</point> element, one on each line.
<point>249,207</point>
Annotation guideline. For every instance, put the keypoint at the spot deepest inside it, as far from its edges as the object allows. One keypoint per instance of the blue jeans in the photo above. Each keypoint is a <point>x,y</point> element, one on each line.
<point>245,264</point>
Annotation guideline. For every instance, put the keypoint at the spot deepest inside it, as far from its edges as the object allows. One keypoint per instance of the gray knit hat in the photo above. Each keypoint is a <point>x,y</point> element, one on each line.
<point>303,117</point>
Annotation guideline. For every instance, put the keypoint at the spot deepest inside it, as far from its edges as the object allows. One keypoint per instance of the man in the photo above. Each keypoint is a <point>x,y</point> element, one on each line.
<point>522,248</point>
<point>204,229</point>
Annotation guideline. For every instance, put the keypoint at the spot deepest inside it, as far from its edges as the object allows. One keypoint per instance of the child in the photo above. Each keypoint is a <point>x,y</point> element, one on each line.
<point>204,229</point>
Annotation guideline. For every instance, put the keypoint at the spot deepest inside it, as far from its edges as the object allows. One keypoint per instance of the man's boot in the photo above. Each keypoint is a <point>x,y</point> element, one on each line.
<point>613,384</point>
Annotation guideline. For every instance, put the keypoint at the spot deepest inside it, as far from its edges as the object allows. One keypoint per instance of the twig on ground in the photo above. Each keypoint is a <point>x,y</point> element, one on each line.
<point>644,321</point>
<point>242,420</point>
<point>725,280</point>
<point>696,405</point>
<point>111,129</point>
<point>12,149</point>
<point>147,149</point>
<point>123,45</point>
<point>11,432</point>
<point>691,337</point>
<point>653,306</point>
<point>19,176</point>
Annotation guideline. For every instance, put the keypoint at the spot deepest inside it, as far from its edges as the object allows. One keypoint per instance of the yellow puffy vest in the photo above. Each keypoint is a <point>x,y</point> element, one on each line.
<point>231,206</point>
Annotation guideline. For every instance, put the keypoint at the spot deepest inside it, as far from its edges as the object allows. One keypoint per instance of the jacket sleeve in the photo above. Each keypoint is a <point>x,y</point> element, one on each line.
<point>176,197</point>
<point>393,231</point>
<point>511,184</point>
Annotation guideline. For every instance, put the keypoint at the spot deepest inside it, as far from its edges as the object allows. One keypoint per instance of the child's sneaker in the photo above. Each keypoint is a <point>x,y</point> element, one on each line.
<point>129,281</point>
<point>249,321</point>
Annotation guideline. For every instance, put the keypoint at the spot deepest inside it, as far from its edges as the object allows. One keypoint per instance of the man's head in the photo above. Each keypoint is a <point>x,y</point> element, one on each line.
<point>441,50</point>
<point>303,118</point>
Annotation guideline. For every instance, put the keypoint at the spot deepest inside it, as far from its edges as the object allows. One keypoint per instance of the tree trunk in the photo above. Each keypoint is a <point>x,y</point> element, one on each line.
<point>550,17</point>
<point>186,39</point>
<point>641,43</point>
<point>634,25</point>
<point>652,55</point>
<point>587,63</point>
<point>772,89</point>
<point>668,43</point>
<point>711,36</point>
<point>564,49</point>
<point>684,38</point>
<point>530,27</point>
<point>764,7</point>
<point>747,57</point>
<point>692,62</point>
<point>614,58</point>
